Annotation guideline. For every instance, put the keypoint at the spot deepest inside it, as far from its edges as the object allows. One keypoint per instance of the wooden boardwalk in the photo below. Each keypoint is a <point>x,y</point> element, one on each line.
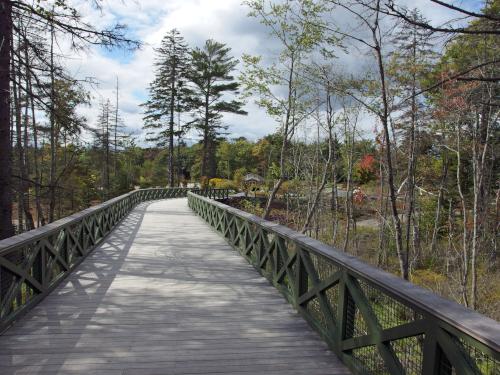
<point>164,294</point>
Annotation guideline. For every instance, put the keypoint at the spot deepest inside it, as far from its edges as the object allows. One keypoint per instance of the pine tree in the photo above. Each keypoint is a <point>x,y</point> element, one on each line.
<point>165,92</point>
<point>210,83</point>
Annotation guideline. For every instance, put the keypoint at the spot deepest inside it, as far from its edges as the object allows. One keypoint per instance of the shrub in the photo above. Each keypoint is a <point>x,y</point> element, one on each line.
<point>222,183</point>
<point>252,207</point>
<point>429,279</point>
<point>238,177</point>
<point>365,169</point>
<point>290,187</point>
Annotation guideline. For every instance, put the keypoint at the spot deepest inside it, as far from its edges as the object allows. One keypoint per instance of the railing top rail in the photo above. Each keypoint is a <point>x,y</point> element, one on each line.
<point>48,229</point>
<point>475,325</point>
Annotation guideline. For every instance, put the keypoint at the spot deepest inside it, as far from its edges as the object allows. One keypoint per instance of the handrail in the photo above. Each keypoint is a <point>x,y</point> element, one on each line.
<point>375,322</point>
<point>33,263</point>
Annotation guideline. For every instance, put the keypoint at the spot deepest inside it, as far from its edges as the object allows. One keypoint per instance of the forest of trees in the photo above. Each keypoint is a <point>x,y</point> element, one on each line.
<point>416,191</point>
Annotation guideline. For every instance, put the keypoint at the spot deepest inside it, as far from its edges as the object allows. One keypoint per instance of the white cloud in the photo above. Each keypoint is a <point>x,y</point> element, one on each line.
<point>197,20</point>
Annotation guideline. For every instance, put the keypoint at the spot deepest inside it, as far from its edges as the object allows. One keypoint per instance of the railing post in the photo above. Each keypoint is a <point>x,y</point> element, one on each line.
<point>431,352</point>
<point>301,278</point>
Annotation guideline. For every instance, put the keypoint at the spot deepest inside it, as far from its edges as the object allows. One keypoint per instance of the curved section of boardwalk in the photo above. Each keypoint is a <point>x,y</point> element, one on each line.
<point>164,294</point>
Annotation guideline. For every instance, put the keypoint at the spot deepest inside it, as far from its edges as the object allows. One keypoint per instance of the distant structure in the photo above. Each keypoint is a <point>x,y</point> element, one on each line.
<point>253,178</point>
<point>252,182</point>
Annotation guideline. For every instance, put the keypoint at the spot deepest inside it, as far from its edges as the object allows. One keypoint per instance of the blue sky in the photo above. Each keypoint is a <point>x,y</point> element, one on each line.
<point>197,20</point>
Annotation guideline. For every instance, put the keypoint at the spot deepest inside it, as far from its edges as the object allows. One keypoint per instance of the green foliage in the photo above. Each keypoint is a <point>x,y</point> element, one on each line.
<point>68,96</point>
<point>166,93</point>
<point>291,187</point>
<point>238,177</point>
<point>299,28</point>
<point>252,206</point>
<point>222,183</point>
<point>235,155</point>
<point>210,86</point>
<point>429,279</point>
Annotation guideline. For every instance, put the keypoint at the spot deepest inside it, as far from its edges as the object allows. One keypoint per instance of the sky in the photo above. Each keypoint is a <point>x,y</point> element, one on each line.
<point>197,20</point>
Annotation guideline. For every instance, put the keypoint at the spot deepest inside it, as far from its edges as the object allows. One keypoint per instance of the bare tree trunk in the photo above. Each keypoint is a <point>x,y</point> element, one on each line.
<point>450,236</point>
<point>6,228</point>
<point>410,184</point>
<point>212,163</point>
<point>24,214</point>
<point>480,149</point>
<point>171,130</point>
<point>19,148</point>
<point>288,128</point>
<point>476,211</point>
<point>382,245</point>
<point>322,185</point>
<point>335,205</point>
<point>178,163</point>
<point>349,143</point>
<point>107,164</point>
<point>465,249</point>
<point>439,204</point>
<point>335,197</point>
<point>271,198</point>
<point>53,143</point>
<point>384,118</point>
<point>26,204</point>
<point>116,125</point>
<point>206,136</point>
<point>38,180</point>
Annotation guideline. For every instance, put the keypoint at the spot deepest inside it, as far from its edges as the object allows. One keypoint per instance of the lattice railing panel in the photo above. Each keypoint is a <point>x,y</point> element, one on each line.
<point>375,322</point>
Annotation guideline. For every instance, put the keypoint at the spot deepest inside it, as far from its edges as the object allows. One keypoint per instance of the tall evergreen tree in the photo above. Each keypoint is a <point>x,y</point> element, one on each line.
<point>210,84</point>
<point>165,93</point>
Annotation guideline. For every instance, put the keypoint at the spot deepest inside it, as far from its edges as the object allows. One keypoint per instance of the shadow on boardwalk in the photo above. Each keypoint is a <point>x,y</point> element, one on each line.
<point>164,294</point>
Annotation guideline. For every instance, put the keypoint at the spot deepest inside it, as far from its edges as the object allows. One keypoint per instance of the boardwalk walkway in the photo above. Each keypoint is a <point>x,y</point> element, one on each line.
<point>164,294</point>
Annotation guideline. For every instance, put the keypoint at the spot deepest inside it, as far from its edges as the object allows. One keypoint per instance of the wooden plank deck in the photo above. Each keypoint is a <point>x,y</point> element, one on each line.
<point>164,294</point>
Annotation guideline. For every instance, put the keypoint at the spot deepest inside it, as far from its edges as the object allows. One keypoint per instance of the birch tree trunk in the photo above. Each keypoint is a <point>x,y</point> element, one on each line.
<point>324,179</point>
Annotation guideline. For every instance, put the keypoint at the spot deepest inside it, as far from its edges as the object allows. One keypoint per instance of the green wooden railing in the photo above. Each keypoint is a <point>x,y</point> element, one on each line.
<point>374,321</point>
<point>34,263</point>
